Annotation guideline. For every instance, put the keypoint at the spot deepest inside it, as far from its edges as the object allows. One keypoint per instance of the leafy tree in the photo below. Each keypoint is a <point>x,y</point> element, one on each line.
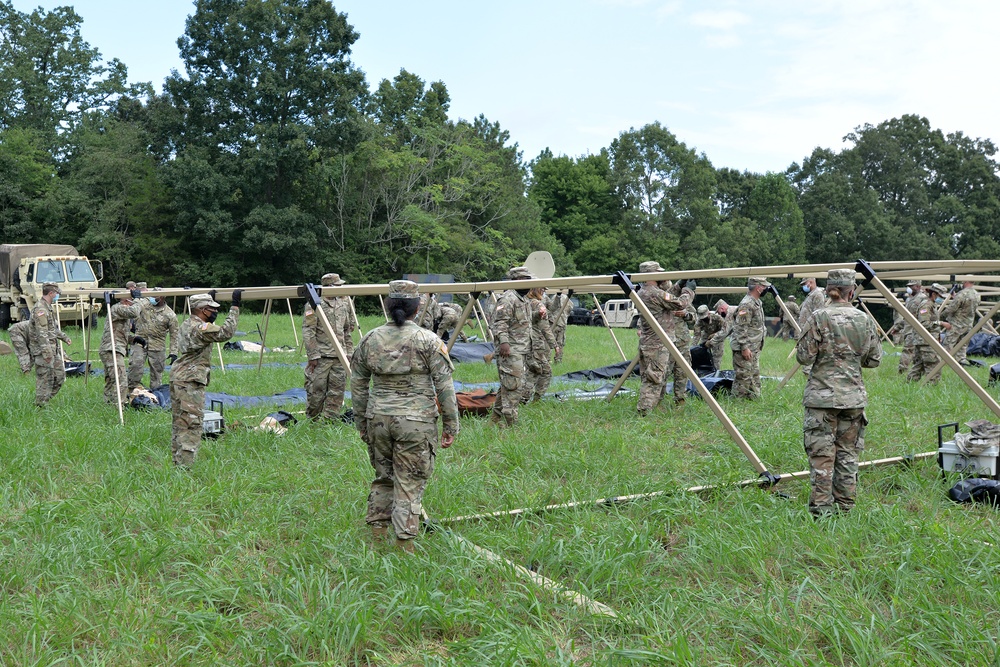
<point>773,209</point>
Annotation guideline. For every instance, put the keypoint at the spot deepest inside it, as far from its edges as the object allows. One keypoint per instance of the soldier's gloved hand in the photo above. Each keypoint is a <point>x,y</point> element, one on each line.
<point>691,284</point>
<point>311,366</point>
<point>237,297</point>
<point>504,350</point>
<point>139,340</point>
<point>136,293</point>
<point>171,358</point>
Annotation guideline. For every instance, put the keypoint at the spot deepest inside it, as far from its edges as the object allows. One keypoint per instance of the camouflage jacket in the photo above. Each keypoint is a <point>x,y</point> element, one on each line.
<point>662,305</point>
<point>428,315</point>
<point>542,338</point>
<point>154,323</point>
<point>922,308</point>
<point>403,371</point>
<point>683,325</point>
<point>725,329</point>
<point>748,325</point>
<point>812,303</point>
<point>20,340</point>
<point>961,311</point>
<point>118,321</point>
<point>512,322</point>
<point>558,312</point>
<point>450,315</point>
<point>840,341</point>
<point>794,309</point>
<point>194,345</point>
<point>705,329</point>
<point>44,332</point>
<point>317,341</point>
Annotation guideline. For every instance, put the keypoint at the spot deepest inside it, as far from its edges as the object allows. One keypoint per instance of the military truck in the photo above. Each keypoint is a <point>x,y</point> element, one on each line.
<point>619,313</point>
<point>25,267</point>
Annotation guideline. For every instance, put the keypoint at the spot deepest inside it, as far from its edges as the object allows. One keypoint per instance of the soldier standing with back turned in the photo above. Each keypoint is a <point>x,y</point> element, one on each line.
<point>961,314</point>
<point>326,377</point>
<point>748,340</point>
<point>511,326</point>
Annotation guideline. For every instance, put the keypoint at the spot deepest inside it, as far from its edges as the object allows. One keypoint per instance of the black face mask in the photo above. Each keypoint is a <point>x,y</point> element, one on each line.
<point>522,292</point>
<point>212,316</point>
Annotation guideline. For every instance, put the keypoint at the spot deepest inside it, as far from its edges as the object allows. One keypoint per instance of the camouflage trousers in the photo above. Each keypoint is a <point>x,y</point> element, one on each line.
<point>560,335</point>
<point>905,359</point>
<point>111,367</point>
<point>655,364</point>
<point>512,387</point>
<point>538,376</point>
<point>137,361</point>
<point>747,381</point>
<point>187,407</point>
<point>717,350</point>
<point>951,339</point>
<point>786,331</point>
<point>833,439</point>
<point>325,386</point>
<point>401,451</point>
<point>924,359</point>
<point>49,379</point>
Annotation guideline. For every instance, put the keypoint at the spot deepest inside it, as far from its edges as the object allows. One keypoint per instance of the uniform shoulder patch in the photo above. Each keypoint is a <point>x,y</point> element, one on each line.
<point>923,310</point>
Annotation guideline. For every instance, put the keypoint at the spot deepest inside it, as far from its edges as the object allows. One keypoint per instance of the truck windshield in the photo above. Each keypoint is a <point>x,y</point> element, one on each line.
<point>79,271</point>
<point>50,271</point>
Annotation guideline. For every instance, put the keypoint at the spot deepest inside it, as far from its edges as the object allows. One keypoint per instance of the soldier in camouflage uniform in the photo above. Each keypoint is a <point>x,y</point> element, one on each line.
<point>451,313</point>
<point>654,358</point>
<point>558,307</point>
<point>538,366</point>
<point>400,374</point>
<point>748,340</point>
<point>326,378</point>
<point>922,308</point>
<point>511,326</point>
<point>716,342</point>
<point>787,330</point>
<point>815,300</point>
<point>682,336</point>
<point>192,371</point>
<point>114,344</point>
<point>839,342</point>
<point>913,289</point>
<point>156,320</point>
<point>960,313</point>
<point>428,315</point>
<point>20,340</point>
<point>50,367</point>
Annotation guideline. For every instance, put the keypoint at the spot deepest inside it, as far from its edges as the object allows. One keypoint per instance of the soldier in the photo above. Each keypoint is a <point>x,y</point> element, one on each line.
<point>451,313</point>
<point>400,374</point>
<point>924,357</point>
<point>558,307</point>
<point>539,369</point>
<point>716,343</point>
<point>155,321</point>
<point>815,300</point>
<point>192,371</point>
<point>748,340</point>
<point>913,289</point>
<point>114,344</point>
<point>787,330</point>
<point>20,340</point>
<point>839,342</point>
<point>50,367</point>
<point>654,358</point>
<point>511,326</point>
<point>326,377</point>
<point>683,291</point>
<point>960,313</point>
<point>429,314</point>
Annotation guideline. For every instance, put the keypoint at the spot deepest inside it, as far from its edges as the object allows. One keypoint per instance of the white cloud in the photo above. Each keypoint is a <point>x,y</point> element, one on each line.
<point>720,20</point>
<point>667,10</point>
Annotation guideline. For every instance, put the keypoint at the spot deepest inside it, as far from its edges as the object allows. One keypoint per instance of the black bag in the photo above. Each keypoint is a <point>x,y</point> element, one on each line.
<point>976,490</point>
<point>283,418</point>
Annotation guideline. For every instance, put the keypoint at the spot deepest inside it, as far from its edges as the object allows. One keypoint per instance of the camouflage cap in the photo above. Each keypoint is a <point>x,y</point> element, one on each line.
<point>754,281</point>
<point>913,282</point>
<point>805,280</point>
<point>202,301</point>
<point>141,286</point>
<point>51,287</point>
<point>702,312</point>
<point>403,289</point>
<point>938,287</point>
<point>651,267</point>
<point>790,297</point>
<point>520,273</point>
<point>840,278</point>
<point>329,279</point>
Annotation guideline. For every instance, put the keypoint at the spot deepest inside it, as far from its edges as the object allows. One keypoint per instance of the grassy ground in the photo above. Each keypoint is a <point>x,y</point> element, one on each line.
<point>109,556</point>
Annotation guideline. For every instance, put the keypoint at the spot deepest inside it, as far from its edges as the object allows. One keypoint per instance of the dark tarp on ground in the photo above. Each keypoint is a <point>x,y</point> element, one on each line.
<point>612,372</point>
<point>984,345</point>
<point>292,396</point>
<point>470,353</point>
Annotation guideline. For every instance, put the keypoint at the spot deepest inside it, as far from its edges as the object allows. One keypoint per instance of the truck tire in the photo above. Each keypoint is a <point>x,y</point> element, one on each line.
<point>635,322</point>
<point>4,316</point>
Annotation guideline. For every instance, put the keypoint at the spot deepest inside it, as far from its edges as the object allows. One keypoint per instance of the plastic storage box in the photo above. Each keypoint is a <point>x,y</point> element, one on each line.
<point>950,459</point>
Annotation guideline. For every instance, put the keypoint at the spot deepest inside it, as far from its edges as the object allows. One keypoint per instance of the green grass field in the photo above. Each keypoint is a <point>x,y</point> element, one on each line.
<point>259,555</point>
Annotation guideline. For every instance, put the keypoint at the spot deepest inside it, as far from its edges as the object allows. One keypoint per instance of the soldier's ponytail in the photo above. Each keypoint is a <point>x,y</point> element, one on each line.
<point>401,310</point>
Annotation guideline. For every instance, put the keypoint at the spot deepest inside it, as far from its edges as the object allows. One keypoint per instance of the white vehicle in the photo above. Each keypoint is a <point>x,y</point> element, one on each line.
<point>619,313</point>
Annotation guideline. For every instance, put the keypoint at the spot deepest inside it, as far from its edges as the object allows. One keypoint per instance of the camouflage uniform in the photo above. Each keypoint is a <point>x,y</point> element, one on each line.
<point>654,358</point>
<point>50,368</point>
<point>327,381</point>
<point>118,323</point>
<point>155,321</point>
<point>450,315</point>
<point>748,334</point>
<point>840,341</point>
<point>924,357</point>
<point>682,338</point>
<point>399,376</point>
<point>705,330</point>
<point>20,341</point>
<point>428,315</point>
<point>512,325</point>
<point>558,316</point>
<point>538,367</point>
<point>960,312</point>
<point>190,376</point>
<point>717,342</point>
<point>812,303</point>
<point>906,333</point>
<point>787,330</point>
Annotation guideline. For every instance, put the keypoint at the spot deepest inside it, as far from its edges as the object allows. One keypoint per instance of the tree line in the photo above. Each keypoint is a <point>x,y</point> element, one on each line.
<point>269,160</point>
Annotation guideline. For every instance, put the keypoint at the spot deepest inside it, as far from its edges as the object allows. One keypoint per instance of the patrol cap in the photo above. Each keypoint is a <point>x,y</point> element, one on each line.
<point>805,280</point>
<point>938,287</point>
<point>913,282</point>
<point>403,289</point>
<point>702,312</point>
<point>520,273</point>
<point>141,286</point>
<point>51,287</point>
<point>790,297</point>
<point>651,267</point>
<point>329,279</point>
<point>202,301</point>
<point>840,278</point>
<point>754,281</point>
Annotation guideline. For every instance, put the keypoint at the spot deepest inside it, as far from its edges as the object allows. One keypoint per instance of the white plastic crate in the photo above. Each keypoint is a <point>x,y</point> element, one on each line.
<point>212,424</point>
<point>952,460</point>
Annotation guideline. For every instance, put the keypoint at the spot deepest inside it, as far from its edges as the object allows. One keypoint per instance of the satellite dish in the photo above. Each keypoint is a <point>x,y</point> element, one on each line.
<point>540,263</point>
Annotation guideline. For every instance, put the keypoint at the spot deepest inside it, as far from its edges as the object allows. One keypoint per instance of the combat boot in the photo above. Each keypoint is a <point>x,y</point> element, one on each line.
<point>379,532</point>
<point>407,546</point>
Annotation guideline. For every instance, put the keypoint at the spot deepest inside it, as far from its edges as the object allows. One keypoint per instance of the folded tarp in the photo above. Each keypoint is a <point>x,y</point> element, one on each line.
<point>984,345</point>
<point>612,372</point>
<point>470,353</point>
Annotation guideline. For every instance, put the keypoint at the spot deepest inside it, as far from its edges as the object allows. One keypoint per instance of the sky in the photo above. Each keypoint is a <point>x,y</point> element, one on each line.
<point>754,84</point>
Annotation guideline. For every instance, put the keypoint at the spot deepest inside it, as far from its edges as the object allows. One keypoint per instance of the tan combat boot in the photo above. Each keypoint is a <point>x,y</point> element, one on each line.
<point>406,546</point>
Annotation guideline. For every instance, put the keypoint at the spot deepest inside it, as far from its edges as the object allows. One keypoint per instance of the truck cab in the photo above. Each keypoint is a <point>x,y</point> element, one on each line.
<point>619,313</point>
<point>25,268</point>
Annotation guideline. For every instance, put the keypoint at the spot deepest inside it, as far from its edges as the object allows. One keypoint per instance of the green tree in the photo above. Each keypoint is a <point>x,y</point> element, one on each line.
<point>773,209</point>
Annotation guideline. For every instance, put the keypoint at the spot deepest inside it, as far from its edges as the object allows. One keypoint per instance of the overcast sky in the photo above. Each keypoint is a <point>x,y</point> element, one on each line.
<point>754,84</point>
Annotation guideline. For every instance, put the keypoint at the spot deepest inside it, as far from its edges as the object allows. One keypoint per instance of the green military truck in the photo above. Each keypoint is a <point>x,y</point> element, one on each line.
<point>25,267</point>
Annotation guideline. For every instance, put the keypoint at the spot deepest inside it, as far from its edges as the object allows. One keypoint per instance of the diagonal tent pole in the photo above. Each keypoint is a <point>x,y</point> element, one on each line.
<point>479,321</point>
<point>621,381</point>
<point>878,326</point>
<point>354,314</point>
<point>866,270</point>
<point>291,318</point>
<point>114,360</point>
<point>314,297</point>
<point>965,339</point>
<point>382,303</point>
<point>485,322</point>
<point>461,321</point>
<point>629,289</point>
<point>607,324</point>
<point>263,336</point>
<point>784,309</point>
